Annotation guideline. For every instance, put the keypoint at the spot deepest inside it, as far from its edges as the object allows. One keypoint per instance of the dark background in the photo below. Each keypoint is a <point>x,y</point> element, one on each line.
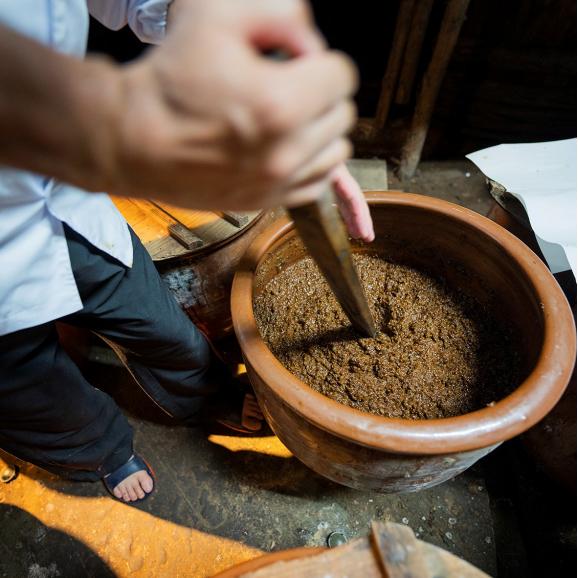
<point>512,77</point>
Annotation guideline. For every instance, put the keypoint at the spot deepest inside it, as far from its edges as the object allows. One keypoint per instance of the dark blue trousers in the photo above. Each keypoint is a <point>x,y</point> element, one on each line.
<point>52,417</point>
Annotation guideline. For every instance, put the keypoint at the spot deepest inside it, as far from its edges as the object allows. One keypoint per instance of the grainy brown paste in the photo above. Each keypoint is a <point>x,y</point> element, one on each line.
<point>438,354</point>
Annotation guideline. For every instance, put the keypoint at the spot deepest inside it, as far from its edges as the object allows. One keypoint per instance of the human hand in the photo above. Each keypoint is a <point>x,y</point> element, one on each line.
<point>207,122</point>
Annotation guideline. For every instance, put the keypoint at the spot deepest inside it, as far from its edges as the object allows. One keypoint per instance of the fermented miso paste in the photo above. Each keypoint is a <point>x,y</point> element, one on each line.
<point>438,353</point>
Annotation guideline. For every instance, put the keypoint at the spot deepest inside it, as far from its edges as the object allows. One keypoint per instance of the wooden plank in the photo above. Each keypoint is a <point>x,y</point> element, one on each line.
<point>402,28</point>
<point>176,229</point>
<point>236,219</point>
<point>371,174</point>
<point>158,225</point>
<point>413,48</point>
<point>136,212</point>
<point>188,217</point>
<point>453,19</point>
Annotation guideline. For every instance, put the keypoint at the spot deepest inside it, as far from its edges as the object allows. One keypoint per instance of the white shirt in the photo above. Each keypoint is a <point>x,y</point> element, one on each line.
<point>36,280</point>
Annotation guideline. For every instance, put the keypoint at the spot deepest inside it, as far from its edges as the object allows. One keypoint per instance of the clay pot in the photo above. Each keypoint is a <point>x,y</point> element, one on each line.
<point>471,252</point>
<point>552,442</point>
<point>266,560</point>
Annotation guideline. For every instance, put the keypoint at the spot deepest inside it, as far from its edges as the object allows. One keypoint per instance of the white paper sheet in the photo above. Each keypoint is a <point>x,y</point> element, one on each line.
<point>543,177</point>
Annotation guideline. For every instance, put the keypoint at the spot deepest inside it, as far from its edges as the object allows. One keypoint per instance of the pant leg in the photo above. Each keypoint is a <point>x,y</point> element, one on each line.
<point>51,416</point>
<point>134,310</point>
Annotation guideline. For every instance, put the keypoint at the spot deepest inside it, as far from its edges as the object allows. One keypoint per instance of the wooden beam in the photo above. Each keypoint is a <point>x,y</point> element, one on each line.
<point>413,48</point>
<point>453,19</point>
<point>402,28</point>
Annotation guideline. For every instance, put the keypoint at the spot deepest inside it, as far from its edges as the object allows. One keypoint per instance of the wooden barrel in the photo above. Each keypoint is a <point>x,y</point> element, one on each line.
<point>196,253</point>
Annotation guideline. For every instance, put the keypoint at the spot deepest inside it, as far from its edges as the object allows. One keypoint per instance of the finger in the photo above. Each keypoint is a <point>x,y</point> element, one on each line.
<point>323,164</point>
<point>298,91</point>
<point>296,150</point>
<point>305,193</point>
<point>353,205</point>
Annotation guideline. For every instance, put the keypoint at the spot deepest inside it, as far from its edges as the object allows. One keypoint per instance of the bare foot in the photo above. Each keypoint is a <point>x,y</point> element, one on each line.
<point>134,487</point>
<point>251,418</point>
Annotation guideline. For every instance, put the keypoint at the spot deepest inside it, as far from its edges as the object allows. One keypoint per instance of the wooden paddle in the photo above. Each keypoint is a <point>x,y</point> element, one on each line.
<point>322,231</point>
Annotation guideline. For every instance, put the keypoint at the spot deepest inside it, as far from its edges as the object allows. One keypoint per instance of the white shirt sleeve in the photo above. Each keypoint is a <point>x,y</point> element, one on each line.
<point>146,18</point>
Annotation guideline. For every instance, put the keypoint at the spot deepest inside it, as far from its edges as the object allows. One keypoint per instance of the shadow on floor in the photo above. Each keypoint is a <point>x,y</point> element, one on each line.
<point>29,548</point>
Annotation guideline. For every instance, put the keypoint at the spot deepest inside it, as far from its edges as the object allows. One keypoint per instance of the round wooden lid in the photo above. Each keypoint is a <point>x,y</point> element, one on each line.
<point>169,232</point>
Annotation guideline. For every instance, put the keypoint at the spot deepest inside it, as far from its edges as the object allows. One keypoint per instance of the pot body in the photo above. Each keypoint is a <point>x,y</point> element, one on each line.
<point>469,252</point>
<point>552,442</point>
<point>347,462</point>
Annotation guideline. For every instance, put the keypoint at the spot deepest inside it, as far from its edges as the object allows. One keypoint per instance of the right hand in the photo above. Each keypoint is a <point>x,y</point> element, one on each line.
<point>207,122</point>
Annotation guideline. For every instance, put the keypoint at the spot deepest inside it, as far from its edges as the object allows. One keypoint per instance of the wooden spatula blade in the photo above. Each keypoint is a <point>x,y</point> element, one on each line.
<point>322,231</point>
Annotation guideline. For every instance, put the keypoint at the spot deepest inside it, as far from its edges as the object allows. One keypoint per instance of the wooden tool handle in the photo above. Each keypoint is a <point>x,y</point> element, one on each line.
<point>322,231</point>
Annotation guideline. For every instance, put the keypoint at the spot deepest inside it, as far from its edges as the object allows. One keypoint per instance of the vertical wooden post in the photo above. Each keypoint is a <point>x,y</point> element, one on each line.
<point>412,53</point>
<point>454,16</point>
<point>402,28</point>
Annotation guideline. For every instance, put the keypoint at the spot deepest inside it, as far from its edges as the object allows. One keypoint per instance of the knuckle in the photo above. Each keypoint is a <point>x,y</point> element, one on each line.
<point>270,111</point>
<point>279,166</point>
<point>349,67</point>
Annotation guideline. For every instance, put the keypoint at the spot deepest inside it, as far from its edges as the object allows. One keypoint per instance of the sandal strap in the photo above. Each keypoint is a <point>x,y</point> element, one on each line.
<point>133,465</point>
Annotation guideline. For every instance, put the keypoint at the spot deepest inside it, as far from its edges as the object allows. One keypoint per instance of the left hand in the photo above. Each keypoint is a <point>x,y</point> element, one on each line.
<point>352,205</point>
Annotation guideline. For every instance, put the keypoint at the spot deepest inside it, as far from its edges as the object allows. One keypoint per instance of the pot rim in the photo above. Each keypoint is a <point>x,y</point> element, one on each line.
<point>510,416</point>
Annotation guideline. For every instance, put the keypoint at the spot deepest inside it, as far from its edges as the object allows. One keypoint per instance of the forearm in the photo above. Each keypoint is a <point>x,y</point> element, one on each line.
<point>203,121</point>
<point>57,114</point>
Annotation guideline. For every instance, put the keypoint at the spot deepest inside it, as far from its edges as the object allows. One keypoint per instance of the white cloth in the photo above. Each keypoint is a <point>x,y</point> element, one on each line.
<point>543,177</point>
<point>36,280</point>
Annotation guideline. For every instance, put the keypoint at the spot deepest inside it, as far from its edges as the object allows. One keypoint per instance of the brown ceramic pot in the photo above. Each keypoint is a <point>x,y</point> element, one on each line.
<point>267,560</point>
<point>471,252</point>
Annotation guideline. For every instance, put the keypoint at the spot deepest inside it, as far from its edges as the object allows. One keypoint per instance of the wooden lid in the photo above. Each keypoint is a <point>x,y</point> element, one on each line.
<point>169,232</point>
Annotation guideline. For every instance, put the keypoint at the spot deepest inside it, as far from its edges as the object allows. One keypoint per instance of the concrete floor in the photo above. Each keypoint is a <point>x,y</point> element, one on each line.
<point>225,499</point>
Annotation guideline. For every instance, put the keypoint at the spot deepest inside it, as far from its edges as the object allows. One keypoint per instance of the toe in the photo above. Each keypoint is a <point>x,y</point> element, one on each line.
<point>131,493</point>
<point>147,484</point>
<point>117,492</point>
